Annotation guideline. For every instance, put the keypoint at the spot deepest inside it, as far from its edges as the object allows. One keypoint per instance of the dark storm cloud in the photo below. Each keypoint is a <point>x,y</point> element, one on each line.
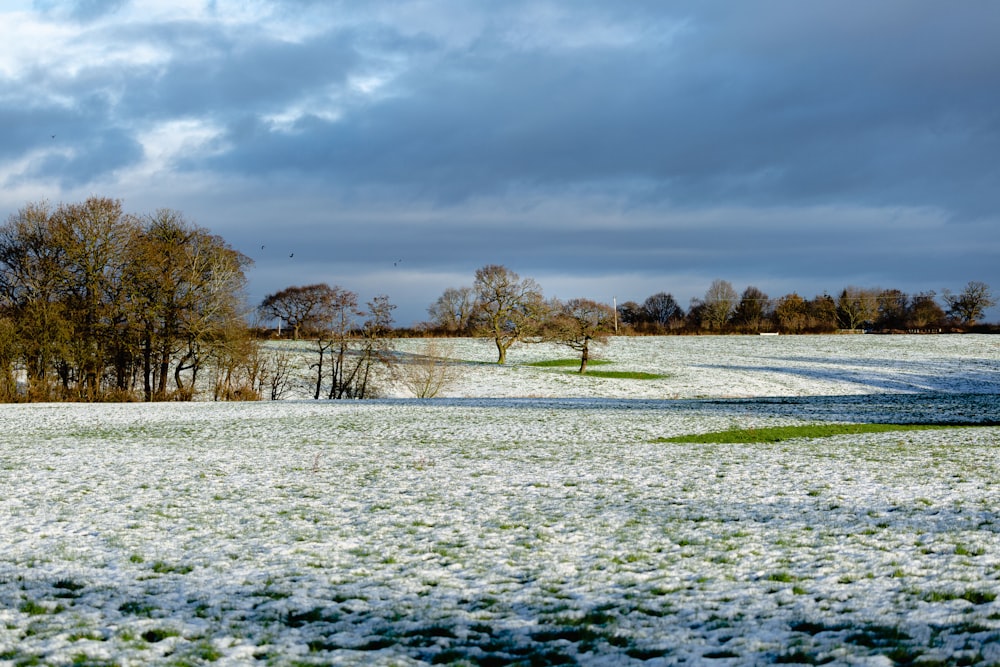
<point>794,104</point>
<point>779,141</point>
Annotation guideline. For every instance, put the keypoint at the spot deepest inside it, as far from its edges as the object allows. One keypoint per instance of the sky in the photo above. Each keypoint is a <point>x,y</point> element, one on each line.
<point>608,150</point>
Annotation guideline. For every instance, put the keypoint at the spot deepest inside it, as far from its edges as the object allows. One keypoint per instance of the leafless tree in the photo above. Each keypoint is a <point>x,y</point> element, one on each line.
<point>791,313</point>
<point>971,303</point>
<point>579,324</point>
<point>718,305</point>
<point>375,348</point>
<point>429,371</point>
<point>752,313</point>
<point>924,311</point>
<point>508,308</point>
<point>298,307</point>
<point>100,298</point>
<point>662,311</point>
<point>453,311</point>
<point>857,306</point>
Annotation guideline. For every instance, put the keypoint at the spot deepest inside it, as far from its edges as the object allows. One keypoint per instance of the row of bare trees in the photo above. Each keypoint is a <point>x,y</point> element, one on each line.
<point>99,304</point>
<point>350,342</point>
<point>854,308</point>
<point>506,308</point>
<point>722,310</point>
<point>502,306</point>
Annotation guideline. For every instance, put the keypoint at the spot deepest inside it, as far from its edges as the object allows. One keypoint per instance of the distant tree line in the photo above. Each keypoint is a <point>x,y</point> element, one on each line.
<point>506,308</point>
<point>98,304</point>
<point>722,310</point>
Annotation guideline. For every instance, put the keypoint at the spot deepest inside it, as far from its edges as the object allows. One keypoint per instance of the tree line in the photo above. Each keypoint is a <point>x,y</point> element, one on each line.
<point>99,304</point>
<point>460,311</point>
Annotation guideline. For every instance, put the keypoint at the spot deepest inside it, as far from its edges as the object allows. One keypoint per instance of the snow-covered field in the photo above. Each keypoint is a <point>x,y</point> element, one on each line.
<point>527,518</point>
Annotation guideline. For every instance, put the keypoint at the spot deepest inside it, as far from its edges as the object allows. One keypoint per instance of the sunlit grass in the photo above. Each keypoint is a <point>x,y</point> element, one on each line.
<point>781,433</point>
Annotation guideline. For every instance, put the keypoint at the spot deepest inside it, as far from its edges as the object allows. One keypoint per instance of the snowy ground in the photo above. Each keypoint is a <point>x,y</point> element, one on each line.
<point>526,519</point>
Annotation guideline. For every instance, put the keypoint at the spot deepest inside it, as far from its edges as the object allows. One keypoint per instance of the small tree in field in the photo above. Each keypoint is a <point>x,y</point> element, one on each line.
<point>578,324</point>
<point>428,371</point>
<point>508,308</point>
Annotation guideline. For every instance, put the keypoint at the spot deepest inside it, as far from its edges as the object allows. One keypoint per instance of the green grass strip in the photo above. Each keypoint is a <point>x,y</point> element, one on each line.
<point>780,433</point>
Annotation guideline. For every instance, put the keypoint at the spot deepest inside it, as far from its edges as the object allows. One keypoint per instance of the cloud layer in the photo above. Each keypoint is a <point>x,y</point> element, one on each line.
<point>605,149</point>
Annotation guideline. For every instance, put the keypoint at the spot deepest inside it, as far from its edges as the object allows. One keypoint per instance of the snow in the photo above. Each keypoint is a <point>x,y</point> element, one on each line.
<point>528,517</point>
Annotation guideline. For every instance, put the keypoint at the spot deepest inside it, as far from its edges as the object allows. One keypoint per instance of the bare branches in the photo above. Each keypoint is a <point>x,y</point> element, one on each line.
<point>508,308</point>
<point>429,371</point>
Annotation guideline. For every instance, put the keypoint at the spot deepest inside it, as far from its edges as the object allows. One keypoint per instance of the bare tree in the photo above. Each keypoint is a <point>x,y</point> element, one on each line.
<point>751,313</point>
<point>452,312</point>
<point>8,359</point>
<point>31,288</point>
<point>791,314</point>
<point>298,307</point>
<point>631,314</point>
<point>856,306</point>
<point>579,324</point>
<point>508,308</point>
<point>892,308</point>
<point>822,314</point>
<point>429,371</point>
<point>99,297</point>
<point>95,236</point>
<point>188,289</point>
<point>719,303</point>
<point>344,314</point>
<point>924,311</point>
<point>375,348</point>
<point>277,374</point>
<point>662,310</point>
<point>971,303</point>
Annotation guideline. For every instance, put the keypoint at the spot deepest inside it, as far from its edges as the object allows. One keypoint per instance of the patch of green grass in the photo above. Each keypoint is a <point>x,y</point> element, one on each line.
<point>781,433</point>
<point>32,608</point>
<point>561,363</point>
<point>971,595</point>
<point>161,567</point>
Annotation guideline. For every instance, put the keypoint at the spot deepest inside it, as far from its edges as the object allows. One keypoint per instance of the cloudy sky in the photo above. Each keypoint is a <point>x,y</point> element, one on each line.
<point>606,149</point>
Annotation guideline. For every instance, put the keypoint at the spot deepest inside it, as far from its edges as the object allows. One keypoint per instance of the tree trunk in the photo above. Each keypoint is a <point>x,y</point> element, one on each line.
<point>502,352</point>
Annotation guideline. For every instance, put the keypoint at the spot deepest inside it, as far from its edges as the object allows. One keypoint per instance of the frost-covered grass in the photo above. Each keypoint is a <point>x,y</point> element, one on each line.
<point>733,366</point>
<point>493,530</point>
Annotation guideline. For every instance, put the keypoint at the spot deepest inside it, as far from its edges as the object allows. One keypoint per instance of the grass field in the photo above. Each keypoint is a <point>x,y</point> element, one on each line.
<point>534,529</point>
